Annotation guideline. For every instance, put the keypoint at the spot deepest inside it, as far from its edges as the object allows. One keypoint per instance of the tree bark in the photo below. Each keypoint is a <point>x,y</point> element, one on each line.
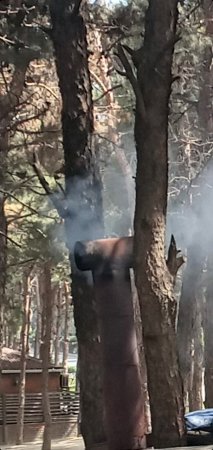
<point>58,326</point>
<point>38,320</point>
<point>205,112</point>
<point>66,328</point>
<point>143,369</point>
<point>47,312</point>
<point>195,392</point>
<point>83,218</point>
<point>24,345</point>
<point>153,280</point>
<point>3,247</point>
<point>208,324</point>
<point>188,324</point>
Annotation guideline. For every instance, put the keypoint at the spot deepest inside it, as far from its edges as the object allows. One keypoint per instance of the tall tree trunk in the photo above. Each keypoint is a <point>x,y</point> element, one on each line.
<point>3,246</point>
<point>208,326</point>
<point>205,112</point>
<point>138,327</point>
<point>83,200</point>
<point>38,319</point>
<point>153,278</point>
<point>43,318</point>
<point>188,324</point>
<point>24,344</point>
<point>47,312</point>
<point>196,388</point>
<point>66,327</point>
<point>195,392</point>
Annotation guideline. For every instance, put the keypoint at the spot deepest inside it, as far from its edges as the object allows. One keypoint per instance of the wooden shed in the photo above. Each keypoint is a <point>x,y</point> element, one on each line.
<point>10,373</point>
<point>64,405</point>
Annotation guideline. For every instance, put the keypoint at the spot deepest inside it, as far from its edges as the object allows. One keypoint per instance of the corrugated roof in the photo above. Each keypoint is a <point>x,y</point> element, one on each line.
<point>10,360</point>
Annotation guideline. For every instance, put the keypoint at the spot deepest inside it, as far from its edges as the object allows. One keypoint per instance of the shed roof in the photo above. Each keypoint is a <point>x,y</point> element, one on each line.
<point>10,361</point>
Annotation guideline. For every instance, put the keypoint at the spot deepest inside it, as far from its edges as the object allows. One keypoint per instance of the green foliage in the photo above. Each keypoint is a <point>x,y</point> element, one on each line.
<point>35,230</point>
<point>22,35</point>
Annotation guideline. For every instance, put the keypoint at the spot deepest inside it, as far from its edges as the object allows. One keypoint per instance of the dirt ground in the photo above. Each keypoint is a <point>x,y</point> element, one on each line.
<point>71,444</point>
<point>77,444</point>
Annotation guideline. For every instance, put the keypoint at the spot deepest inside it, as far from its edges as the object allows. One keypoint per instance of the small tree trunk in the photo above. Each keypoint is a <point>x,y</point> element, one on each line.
<point>66,327</point>
<point>3,244</point>
<point>38,319</point>
<point>205,113</point>
<point>208,344</point>
<point>58,326</point>
<point>47,313</point>
<point>138,327</point>
<point>188,324</point>
<point>195,391</point>
<point>43,317</point>
<point>5,330</point>
<point>24,341</point>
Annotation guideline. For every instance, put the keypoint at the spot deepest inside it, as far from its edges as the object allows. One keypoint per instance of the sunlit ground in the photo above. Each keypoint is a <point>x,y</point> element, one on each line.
<point>77,444</point>
<point>72,443</point>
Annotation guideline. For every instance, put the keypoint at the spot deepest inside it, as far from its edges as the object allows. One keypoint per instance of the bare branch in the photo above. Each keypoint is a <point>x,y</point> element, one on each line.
<point>53,196</point>
<point>34,211</point>
<point>174,262</point>
<point>106,92</point>
<point>26,261</point>
<point>133,81</point>
<point>10,239</point>
<point>43,86</point>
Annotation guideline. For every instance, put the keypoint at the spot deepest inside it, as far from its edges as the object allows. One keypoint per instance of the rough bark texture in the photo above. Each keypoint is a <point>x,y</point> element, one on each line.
<point>38,320</point>
<point>3,245</point>
<point>66,328</point>
<point>206,121</point>
<point>24,345</point>
<point>58,326</point>
<point>143,369</point>
<point>45,351</point>
<point>83,200</point>
<point>153,279</point>
<point>195,392</point>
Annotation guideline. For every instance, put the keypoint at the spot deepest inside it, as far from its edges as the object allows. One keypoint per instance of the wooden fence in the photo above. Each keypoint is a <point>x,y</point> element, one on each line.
<point>63,405</point>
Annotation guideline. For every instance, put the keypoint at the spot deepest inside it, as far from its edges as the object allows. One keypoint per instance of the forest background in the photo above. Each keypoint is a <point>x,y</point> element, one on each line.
<point>32,190</point>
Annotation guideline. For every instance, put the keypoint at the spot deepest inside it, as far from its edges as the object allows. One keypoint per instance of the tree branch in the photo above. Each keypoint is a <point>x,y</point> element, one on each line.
<point>10,239</point>
<point>133,81</point>
<point>63,213</point>
<point>26,261</point>
<point>106,92</point>
<point>174,262</point>
<point>34,211</point>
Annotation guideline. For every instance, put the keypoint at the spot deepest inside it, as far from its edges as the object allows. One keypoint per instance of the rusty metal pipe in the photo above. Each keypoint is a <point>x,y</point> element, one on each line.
<point>114,252</point>
<point>122,379</point>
